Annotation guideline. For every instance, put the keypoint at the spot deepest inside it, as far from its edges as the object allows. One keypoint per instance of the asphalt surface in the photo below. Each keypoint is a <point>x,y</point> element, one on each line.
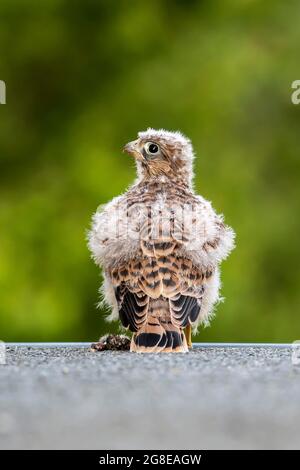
<point>227,398</point>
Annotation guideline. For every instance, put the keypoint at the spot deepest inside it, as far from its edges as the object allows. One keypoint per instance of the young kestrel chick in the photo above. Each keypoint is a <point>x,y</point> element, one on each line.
<point>160,246</point>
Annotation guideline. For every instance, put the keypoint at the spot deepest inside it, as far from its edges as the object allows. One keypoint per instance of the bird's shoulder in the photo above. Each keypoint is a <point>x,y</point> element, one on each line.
<point>160,190</point>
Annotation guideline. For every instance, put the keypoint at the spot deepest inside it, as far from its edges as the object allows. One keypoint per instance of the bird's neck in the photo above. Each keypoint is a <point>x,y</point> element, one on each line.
<point>163,175</point>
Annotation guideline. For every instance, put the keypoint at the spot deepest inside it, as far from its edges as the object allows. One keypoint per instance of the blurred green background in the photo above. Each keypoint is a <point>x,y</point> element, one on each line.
<point>83,77</point>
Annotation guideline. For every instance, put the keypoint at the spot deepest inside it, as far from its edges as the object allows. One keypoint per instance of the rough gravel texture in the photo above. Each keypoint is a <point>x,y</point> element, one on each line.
<point>210,398</point>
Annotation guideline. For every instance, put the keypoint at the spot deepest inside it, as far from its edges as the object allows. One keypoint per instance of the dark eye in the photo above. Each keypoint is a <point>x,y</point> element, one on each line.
<point>151,148</point>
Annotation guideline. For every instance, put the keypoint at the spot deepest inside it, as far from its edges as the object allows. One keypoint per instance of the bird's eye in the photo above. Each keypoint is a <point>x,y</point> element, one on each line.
<point>151,148</point>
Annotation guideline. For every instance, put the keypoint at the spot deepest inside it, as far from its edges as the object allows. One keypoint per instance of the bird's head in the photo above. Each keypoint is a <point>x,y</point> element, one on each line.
<point>162,154</point>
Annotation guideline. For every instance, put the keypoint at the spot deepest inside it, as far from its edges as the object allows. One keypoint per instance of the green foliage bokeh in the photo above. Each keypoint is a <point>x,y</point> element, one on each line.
<point>83,77</point>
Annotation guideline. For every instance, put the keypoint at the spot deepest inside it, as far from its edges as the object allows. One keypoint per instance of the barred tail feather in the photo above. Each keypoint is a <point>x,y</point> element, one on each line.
<point>159,334</point>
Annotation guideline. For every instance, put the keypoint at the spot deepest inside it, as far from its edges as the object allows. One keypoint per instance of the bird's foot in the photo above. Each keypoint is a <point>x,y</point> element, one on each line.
<point>188,336</point>
<point>112,343</point>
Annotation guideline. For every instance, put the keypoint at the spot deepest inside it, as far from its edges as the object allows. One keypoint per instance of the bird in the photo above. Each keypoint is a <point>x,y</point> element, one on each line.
<point>160,246</point>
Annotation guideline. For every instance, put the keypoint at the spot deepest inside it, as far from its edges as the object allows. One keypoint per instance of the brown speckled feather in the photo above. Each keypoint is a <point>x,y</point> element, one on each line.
<point>159,273</point>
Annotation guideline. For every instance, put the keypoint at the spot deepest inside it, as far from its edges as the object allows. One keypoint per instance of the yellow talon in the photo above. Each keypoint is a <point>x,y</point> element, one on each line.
<point>188,336</point>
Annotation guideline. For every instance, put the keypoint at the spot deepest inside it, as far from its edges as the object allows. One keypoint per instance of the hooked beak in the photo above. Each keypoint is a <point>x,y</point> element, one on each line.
<point>131,149</point>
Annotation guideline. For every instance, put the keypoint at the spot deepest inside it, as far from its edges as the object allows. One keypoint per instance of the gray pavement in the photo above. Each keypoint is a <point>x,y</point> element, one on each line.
<point>228,398</point>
